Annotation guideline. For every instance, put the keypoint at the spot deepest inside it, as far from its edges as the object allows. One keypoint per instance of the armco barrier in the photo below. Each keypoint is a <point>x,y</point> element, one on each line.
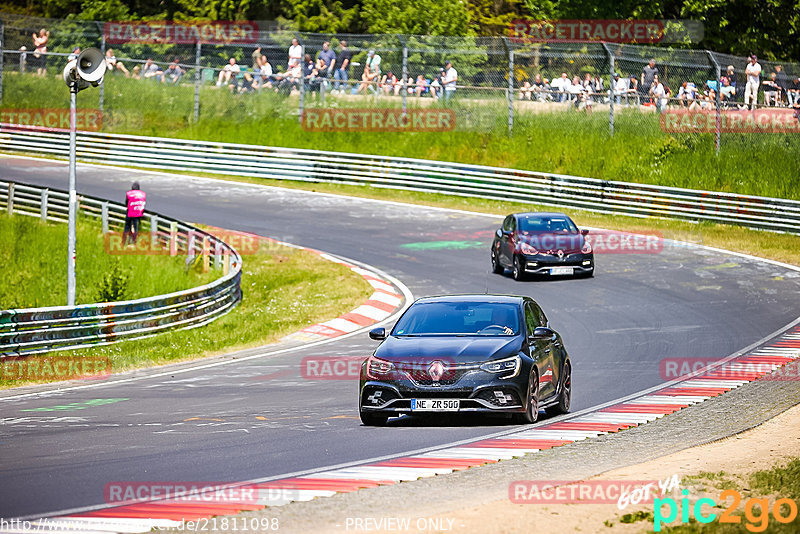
<point>37,330</point>
<point>637,200</point>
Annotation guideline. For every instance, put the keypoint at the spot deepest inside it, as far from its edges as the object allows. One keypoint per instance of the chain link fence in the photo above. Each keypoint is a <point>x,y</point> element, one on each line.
<point>495,84</point>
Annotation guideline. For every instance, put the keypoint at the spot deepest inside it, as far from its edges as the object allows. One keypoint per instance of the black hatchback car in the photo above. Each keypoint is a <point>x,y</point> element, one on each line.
<point>541,243</point>
<point>467,353</point>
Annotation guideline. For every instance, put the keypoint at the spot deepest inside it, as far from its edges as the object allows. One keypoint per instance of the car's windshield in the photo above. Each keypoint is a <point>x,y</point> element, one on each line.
<point>557,225</point>
<point>459,318</point>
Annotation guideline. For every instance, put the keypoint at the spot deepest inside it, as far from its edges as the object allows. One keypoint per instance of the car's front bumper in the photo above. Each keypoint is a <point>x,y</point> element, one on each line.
<point>544,263</point>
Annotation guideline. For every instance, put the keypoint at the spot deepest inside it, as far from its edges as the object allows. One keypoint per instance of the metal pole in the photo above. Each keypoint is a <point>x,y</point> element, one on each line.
<point>611,60</point>
<point>302,82</point>
<point>43,205</point>
<point>73,198</point>
<point>101,99</point>
<point>197,80</point>
<point>405,77</point>
<point>718,127</point>
<point>510,91</point>
<point>2,45</point>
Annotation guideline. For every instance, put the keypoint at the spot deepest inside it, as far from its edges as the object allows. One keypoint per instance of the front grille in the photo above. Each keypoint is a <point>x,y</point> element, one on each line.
<point>419,373</point>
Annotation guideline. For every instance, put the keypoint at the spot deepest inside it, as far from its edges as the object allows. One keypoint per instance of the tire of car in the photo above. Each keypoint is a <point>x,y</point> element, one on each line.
<point>531,413</point>
<point>373,419</point>
<point>565,396</point>
<point>496,267</point>
<point>518,272</point>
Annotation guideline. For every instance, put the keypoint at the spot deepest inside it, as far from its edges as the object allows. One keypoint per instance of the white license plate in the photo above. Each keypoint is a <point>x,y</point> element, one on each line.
<point>435,405</point>
<point>561,270</point>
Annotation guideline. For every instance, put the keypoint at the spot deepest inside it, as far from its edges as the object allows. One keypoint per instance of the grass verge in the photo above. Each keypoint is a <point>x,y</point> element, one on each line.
<point>33,260</point>
<point>283,290</point>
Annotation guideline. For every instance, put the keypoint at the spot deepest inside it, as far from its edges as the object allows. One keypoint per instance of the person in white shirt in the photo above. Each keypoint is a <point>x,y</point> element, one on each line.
<point>295,54</point>
<point>753,72</point>
<point>659,94</point>
<point>560,85</point>
<point>450,79</point>
<point>620,87</point>
<point>229,71</point>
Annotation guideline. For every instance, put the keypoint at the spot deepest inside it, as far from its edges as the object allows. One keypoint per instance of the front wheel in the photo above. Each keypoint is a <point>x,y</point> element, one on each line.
<point>496,267</point>
<point>531,414</point>
<point>373,419</point>
<point>565,397</point>
<point>518,272</point>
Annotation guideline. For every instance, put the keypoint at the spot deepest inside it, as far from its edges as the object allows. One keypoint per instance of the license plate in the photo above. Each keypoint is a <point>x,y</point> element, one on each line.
<point>561,270</point>
<point>435,405</point>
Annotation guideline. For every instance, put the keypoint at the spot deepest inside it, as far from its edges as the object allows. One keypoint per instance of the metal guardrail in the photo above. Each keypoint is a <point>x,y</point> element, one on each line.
<point>637,200</point>
<point>36,330</point>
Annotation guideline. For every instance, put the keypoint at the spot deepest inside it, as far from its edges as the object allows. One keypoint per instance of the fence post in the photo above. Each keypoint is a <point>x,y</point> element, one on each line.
<point>2,48</point>
<point>104,216</point>
<point>510,89</point>
<point>405,77</point>
<point>190,247</point>
<point>198,75</point>
<point>206,254</point>
<point>153,232</point>
<point>718,126</point>
<point>10,204</point>
<point>302,82</point>
<point>611,60</point>
<point>173,238</point>
<point>101,98</point>
<point>217,254</point>
<point>43,205</point>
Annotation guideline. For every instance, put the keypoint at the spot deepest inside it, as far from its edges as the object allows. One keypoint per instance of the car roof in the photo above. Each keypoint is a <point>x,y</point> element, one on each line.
<point>478,297</point>
<point>541,214</point>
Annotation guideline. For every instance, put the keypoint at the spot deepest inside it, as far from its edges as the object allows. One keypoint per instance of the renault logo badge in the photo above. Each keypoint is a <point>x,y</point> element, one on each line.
<point>436,370</point>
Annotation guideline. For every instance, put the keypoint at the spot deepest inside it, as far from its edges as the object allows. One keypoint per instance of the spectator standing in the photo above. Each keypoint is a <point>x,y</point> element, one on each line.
<point>135,200</point>
<point>753,73</point>
<point>309,71</point>
<point>113,64</point>
<point>174,72</point>
<point>256,56</point>
<point>329,56</point>
<point>620,87</point>
<point>782,80</point>
<point>342,67</point>
<point>40,51</point>
<point>450,80</point>
<point>295,53</point>
<point>229,71</point>
<point>649,72</point>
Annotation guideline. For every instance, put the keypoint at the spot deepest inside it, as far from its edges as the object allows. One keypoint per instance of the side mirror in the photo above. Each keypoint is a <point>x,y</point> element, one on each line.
<point>542,332</point>
<point>378,334</point>
<point>584,232</point>
<point>499,232</point>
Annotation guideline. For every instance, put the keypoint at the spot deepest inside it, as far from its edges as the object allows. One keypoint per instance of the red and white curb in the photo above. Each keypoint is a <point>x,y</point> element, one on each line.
<point>670,398</point>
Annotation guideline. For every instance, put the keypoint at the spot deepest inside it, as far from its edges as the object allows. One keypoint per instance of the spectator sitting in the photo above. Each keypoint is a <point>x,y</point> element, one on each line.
<point>136,72</point>
<point>587,82</point>
<point>728,92</point>
<point>560,85</point>
<point>289,80</point>
<point>421,85</point>
<point>436,85</point>
<point>323,71</point>
<point>295,54</point>
<point>410,85</point>
<point>658,94</point>
<point>526,91</point>
<point>372,72</point>
<point>687,94</point>
<point>310,73</point>
<point>74,55</point>
<point>390,84</point>
<point>794,92</point>
<point>771,90</point>
<point>247,85</point>
<point>633,88</point>
<point>174,72</point>
<point>229,71</point>
<point>541,88</point>
<point>620,87</point>
<point>782,81</point>
<point>112,64</point>
<point>576,90</point>
<point>152,70</point>
<point>264,72</point>
<point>597,85</point>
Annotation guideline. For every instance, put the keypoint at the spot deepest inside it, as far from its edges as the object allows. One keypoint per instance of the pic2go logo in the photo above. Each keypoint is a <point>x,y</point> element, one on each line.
<point>756,511</point>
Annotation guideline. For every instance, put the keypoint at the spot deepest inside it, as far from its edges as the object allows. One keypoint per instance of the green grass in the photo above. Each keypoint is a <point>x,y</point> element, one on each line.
<point>33,260</point>
<point>560,142</point>
<point>283,290</point>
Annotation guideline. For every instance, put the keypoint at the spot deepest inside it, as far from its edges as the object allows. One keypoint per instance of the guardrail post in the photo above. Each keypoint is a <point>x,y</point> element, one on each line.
<point>104,216</point>
<point>10,204</point>
<point>43,205</point>
<point>206,254</point>
<point>173,238</point>
<point>198,75</point>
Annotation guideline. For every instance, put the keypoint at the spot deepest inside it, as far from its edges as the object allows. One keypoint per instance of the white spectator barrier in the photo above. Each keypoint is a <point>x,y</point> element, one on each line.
<point>38,330</point>
<point>605,196</point>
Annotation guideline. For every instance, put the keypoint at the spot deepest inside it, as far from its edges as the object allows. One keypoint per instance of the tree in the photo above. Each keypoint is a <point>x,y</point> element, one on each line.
<point>416,17</point>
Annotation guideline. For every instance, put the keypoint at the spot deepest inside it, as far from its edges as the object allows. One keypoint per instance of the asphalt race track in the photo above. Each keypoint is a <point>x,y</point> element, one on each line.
<point>260,418</point>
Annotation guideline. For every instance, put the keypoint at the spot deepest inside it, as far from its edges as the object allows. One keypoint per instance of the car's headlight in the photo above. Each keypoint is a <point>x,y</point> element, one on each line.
<point>525,248</point>
<point>508,366</point>
<point>587,248</point>
<point>377,368</point>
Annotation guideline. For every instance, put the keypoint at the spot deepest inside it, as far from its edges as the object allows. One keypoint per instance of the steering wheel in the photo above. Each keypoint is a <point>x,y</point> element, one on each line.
<point>501,327</point>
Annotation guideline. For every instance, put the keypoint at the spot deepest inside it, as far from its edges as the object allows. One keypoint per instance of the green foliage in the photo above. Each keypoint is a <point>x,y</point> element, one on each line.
<point>634,517</point>
<point>114,283</point>
<point>416,17</point>
<point>323,16</point>
<point>783,480</point>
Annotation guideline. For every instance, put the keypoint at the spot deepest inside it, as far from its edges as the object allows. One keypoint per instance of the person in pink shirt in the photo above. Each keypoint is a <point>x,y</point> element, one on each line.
<point>135,200</point>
